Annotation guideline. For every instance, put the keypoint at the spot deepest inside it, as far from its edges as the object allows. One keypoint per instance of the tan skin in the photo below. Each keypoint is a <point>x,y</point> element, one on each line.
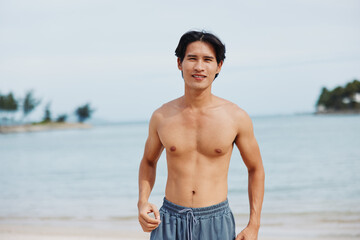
<point>198,132</point>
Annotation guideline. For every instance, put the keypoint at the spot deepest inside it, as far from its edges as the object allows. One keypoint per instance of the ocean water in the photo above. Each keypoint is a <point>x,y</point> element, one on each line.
<point>312,166</point>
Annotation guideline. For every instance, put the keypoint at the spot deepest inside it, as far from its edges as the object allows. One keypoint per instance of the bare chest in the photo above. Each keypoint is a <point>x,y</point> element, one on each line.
<point>207,135</point>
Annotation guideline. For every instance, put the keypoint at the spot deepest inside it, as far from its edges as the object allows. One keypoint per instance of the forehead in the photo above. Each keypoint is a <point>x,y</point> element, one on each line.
<point>201,49</point>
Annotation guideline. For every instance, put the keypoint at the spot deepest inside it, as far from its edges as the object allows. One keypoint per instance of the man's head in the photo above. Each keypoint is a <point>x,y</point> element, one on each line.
<point>193,36</point>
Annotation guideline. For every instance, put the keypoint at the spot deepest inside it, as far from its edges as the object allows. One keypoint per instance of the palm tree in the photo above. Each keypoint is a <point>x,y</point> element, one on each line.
<point>30,103</point>
<point>84,112</point>
<point>8,104</point>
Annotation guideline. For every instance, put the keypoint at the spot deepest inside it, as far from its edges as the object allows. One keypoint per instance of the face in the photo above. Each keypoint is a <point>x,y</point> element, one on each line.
<point>199,66</point>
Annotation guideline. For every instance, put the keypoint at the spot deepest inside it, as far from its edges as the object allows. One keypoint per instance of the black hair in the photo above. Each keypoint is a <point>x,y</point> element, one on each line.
<point>203,36</point>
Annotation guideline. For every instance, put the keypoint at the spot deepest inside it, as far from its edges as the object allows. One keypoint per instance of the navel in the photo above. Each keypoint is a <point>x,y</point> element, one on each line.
<point>173,148</point>
<point>193,192</point>
<point>217,150</point>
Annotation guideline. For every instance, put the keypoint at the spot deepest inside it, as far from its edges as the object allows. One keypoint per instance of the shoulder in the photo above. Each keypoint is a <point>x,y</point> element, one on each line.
<point>165,110</point>
<point>234,110</point>
<point>239,116</point>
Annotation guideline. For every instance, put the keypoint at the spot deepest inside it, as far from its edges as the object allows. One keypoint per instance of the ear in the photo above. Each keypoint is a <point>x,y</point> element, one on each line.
<point>179,64</point>
<point>219,66</point>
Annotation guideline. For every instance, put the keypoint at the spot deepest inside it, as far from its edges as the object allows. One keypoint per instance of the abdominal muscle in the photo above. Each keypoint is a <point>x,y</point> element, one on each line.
<point>198,181</point>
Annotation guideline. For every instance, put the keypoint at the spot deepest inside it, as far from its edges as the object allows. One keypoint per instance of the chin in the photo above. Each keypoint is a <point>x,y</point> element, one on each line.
<point>199,86</point>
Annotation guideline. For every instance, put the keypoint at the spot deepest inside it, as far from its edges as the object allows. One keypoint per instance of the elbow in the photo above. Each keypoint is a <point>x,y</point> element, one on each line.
<point>148,162</point>
<point>257,171</point>
<point>262,174</point>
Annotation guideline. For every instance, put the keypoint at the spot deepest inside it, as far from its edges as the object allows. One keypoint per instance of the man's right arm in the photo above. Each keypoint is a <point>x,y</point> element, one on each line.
<point>147,174</point>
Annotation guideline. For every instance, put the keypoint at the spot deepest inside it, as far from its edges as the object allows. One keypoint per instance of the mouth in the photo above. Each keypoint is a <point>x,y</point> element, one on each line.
<point>198,77</point>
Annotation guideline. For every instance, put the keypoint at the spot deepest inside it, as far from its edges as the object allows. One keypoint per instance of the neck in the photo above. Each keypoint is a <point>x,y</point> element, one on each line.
<point>197,99</point>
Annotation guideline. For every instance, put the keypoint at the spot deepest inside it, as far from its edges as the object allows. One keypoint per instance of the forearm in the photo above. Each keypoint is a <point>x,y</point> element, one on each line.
<point>256,194</point>
<point>147,174</point>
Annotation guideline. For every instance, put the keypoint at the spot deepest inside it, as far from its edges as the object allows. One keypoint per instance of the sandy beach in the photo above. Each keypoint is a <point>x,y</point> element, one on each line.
<point>274,227</point>
<point>71,230</point>
<point>42,127</point>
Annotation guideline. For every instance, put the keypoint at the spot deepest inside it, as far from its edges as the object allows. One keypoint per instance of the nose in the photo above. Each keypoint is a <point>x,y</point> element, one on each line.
<point>199,66</point>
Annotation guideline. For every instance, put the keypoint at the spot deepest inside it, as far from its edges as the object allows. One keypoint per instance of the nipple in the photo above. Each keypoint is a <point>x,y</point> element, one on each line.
<point>218,150</point>
<point>173,148</point>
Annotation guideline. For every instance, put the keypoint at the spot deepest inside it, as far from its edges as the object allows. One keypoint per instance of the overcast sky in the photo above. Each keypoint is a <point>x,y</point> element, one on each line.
<point>119,55</point>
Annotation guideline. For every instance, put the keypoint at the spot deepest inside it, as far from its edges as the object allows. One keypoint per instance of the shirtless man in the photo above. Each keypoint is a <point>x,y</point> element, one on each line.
<point>198,132</point>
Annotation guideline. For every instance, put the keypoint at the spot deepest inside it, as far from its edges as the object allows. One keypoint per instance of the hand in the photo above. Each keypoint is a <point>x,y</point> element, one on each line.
<point>148,223</point>
<point>249,233</point>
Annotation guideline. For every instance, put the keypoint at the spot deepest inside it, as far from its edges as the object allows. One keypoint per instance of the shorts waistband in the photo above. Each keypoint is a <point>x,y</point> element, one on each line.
<point>220,207</point>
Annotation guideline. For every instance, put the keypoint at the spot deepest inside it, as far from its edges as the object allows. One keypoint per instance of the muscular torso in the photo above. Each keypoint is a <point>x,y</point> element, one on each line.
<point>198,146</point>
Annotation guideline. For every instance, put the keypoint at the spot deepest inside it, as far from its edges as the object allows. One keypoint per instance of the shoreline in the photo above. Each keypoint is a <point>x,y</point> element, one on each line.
<point>42,127</point>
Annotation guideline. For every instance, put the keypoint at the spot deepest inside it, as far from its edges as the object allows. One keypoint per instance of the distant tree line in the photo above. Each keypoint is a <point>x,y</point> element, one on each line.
<point>9,106</point>
<point>340,98</point>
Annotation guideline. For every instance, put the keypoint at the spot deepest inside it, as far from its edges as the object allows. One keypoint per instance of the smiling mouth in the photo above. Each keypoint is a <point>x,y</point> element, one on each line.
<point>198,76</point>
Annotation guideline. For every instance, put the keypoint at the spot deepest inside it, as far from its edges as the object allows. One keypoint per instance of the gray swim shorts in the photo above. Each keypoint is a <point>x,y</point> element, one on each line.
<point>207,223</point>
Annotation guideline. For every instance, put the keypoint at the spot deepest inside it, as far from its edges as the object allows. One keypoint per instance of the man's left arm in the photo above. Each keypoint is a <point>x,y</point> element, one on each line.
<point>250,153</point>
